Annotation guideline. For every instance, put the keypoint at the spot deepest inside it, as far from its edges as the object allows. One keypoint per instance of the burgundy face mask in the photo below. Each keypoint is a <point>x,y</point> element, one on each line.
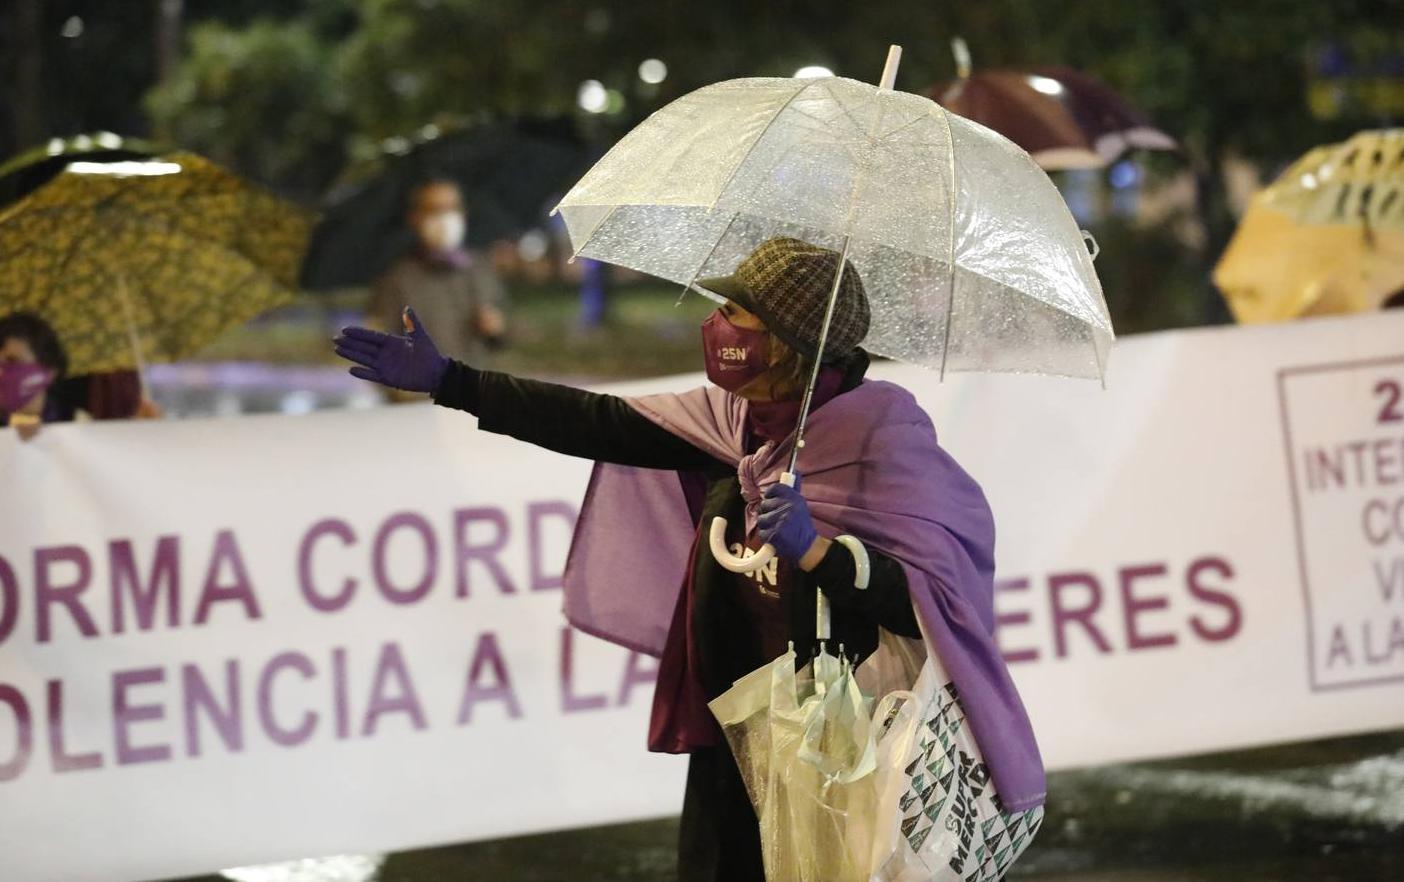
<point>20,382</point>
<point>733,356</point>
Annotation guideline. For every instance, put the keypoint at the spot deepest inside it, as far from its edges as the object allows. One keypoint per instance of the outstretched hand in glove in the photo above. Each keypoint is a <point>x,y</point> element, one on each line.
<point>410,361</point>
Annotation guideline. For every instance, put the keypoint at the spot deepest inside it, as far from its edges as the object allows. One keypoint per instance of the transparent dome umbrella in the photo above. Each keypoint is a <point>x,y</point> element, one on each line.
<point>969,256</point>
<point>967,252</point>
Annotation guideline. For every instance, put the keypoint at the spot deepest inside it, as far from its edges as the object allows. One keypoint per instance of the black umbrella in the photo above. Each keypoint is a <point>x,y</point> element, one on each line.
<point>508,173</point>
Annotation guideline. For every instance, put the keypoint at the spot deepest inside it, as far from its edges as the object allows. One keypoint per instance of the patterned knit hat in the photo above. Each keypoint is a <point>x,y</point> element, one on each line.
<point>787,283</point>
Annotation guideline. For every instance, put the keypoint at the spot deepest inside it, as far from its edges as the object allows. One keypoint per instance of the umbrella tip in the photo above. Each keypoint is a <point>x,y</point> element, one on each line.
<point>889,70</point>
<point>962,57</point>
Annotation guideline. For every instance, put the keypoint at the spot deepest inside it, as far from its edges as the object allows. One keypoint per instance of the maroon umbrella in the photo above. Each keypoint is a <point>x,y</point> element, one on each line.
<point>1062,117</point>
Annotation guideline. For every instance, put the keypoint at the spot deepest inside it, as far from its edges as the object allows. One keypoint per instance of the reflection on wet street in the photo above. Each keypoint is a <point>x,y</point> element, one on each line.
<point>1322,811</point>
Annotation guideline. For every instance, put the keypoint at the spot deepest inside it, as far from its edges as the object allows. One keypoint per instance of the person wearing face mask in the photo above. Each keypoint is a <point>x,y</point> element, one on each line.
<point>456,293</point>
<point>32,361</point>
<point>910,517</point>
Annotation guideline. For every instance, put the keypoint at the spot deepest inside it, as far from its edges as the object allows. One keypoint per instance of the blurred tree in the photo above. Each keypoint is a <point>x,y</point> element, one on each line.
<point>286,91</point>
<point>72,66</point>
<point>261,99</point>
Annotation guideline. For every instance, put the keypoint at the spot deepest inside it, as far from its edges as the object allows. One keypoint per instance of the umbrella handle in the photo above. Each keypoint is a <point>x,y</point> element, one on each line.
<point>729,561</point>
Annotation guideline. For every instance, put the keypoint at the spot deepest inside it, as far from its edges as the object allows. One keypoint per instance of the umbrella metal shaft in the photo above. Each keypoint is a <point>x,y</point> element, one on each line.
<point>887,81</point>
<point>818,357</point>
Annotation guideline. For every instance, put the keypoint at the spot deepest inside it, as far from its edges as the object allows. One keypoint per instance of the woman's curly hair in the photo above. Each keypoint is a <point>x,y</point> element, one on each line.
<point>40,336</point>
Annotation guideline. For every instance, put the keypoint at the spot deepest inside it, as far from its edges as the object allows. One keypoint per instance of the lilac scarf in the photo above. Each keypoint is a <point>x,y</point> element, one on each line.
<point>872,469</point>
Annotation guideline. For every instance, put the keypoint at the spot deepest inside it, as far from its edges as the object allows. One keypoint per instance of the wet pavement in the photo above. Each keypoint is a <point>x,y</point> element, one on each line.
<point>1323,811</point>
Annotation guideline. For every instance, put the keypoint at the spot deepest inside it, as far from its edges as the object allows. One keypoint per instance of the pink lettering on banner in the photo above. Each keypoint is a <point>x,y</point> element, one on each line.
<point>125,581</point>
<point>337,528</point>
<point>287,737</point>
<point>570,702</point>
<point>125,714</point>
<point>428,553</point>
<point>9,600</point>
<point>239,590</point>
<point>227,719</point>
<point>48,593</point>
<point>392,692</point>
<point>1343,428</point>
<point>536,513</point>
<point>1003,621</point>
<point>487,658</point>
<point>1232,610</point>
<point>1133,606</point>
<point>1063,613</point>
<point>341,710</point>
<point>62,760</point>
<point>1150,596</point>
<point>639,670</point>
<point>486,553</point>
<point>12,768</point>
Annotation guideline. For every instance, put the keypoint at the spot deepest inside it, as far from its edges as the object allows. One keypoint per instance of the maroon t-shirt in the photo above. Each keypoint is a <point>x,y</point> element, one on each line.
<point>764,595</point>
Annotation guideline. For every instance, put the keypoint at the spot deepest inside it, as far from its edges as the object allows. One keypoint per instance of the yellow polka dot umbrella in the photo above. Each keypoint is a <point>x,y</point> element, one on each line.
<point>147,260</point>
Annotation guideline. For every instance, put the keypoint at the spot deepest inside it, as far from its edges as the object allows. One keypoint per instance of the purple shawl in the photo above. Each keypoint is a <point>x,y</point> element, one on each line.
<point>872,469</point>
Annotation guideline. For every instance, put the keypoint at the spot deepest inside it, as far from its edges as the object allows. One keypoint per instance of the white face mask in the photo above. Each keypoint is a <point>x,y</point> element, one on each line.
<point>444,230</point>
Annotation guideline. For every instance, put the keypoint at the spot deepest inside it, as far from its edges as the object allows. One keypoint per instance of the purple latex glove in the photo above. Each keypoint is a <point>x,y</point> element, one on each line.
<point>411,362</point>
<point>785,522</point>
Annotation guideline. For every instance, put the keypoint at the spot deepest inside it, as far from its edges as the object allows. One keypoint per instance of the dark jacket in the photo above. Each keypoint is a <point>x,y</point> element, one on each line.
<point>718,835</point>
<point>606,428</point>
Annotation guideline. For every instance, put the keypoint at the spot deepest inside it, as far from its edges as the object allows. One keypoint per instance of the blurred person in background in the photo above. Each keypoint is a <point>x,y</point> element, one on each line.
<point>32,361</point>
<point>458,295</point>
<point>35,387</point>
<point>109,395</point>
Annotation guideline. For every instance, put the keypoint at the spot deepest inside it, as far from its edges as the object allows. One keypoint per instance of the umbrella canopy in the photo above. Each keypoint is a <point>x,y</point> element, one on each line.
<point>26,172</point>
<point>1326,237</point>
<point>968,254</point>
<point>508,175</point>
<point>147,260</point>
<point>1064,118</point>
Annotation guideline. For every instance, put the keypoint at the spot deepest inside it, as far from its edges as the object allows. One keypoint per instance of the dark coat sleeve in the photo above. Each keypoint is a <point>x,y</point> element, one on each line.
<point>567,420</point>
<point>885,602</point>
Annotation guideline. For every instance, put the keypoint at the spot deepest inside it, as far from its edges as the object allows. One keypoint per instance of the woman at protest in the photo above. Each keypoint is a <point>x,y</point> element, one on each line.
<point>667,464</point>
<point>36,388</point>
<point>31,361</point>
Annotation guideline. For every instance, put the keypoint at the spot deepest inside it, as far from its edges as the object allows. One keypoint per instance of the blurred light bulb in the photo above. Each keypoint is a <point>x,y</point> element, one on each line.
<point>108,140</point>
<point>1125,174</point>
<point>813,71</point>
<point>653,71</point>
<point>73,28</point>
<point>1046,85</point>
<point>592,96</point>
<point>124,169</point>
<point>532,246</point>
<point>55,146</point>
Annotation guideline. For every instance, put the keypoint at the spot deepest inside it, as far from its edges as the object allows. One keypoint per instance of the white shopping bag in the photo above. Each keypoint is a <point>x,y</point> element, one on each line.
<point>939,816</point>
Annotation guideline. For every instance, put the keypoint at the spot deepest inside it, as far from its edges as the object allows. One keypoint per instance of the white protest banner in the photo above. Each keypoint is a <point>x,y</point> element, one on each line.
<point>232,641</point>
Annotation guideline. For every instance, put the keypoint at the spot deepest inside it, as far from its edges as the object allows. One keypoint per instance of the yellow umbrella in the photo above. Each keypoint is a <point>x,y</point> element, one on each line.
<point>147,260</point>
<point>1326,237</point>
